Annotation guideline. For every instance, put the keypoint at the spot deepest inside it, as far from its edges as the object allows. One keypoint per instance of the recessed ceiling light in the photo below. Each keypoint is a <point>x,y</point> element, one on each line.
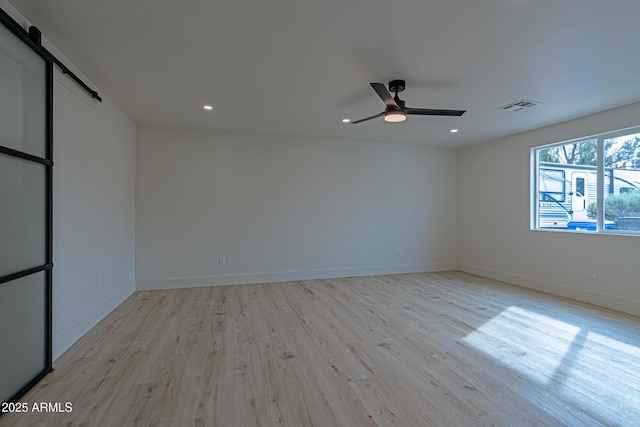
<point>453,130</point>
<point>346,120</point>
<point>208,107</point>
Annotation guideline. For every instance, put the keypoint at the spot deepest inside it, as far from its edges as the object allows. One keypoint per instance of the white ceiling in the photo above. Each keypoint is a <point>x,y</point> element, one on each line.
<point>297,67</point>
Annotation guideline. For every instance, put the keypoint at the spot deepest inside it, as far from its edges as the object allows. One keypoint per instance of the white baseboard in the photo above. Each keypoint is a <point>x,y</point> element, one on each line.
<point>285,276</point>
<point>626,305</point>
<point>72,334</point>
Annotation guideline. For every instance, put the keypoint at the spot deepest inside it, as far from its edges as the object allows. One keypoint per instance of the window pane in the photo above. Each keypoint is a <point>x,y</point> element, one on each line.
<point>22,332</point>
<point>22,215</point>
<point>22,101</point>
<point>567,186</point>
<point>622,182</point>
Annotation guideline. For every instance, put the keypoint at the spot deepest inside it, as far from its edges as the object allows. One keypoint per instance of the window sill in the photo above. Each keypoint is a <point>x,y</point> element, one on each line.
<point>596,233</point>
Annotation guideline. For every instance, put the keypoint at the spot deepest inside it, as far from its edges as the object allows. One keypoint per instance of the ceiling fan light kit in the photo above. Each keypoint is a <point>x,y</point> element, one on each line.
<point>396,111</point>
<point>395,116</point>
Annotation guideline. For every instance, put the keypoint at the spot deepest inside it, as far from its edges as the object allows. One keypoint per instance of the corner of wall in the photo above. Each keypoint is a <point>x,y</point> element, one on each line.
<point>63,341</point>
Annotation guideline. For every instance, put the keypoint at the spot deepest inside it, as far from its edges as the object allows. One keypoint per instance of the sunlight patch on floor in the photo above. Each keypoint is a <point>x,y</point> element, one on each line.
<point>602,374</point>
<point>599,373</point>
<point>530,343</point>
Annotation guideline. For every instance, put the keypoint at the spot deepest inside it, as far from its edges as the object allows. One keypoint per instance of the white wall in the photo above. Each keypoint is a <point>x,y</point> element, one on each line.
<point>494,238</point>
<point>279,208</point>
<point>93,206</point>
<point>94,212</point>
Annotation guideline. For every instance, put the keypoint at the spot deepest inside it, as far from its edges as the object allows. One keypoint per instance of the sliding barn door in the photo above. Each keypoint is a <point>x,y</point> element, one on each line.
<point>25,212</point>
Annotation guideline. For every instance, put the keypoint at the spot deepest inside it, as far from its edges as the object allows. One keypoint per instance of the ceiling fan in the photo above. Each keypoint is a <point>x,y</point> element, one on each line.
<point>396,110</point>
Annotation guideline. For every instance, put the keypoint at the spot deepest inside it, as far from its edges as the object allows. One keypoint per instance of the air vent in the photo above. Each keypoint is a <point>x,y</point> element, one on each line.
<point>520,105</point>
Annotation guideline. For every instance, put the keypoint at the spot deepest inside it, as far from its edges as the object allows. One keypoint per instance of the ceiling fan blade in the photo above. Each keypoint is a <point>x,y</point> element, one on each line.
<point>430,112</point>
<point>368,118</point>
<point>384,94</point>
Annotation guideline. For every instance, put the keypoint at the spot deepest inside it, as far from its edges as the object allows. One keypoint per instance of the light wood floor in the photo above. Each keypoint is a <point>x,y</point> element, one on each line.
<point>436,349</point>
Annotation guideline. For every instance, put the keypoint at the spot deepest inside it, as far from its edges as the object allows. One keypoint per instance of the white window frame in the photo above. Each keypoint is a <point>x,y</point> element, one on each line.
<point>600,154</point>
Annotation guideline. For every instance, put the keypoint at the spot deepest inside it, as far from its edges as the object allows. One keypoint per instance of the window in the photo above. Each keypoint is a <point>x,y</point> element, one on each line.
<point>589,184</point>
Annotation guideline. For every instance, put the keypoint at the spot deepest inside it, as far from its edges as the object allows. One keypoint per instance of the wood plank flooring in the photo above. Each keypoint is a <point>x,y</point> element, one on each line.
<point>433,349</point>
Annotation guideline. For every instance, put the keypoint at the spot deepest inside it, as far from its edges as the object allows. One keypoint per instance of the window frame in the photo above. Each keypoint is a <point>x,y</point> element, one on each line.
<point>534,181</point>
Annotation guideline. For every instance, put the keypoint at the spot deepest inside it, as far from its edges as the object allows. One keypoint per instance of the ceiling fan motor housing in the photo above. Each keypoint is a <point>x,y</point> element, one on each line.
<point>396,85</point>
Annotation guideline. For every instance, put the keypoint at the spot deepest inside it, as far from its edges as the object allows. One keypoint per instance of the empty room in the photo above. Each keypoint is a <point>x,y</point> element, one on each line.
<point>306,213</point>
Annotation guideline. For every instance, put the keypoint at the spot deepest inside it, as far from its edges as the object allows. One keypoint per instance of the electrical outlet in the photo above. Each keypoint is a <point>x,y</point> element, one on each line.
<point>592,274</point>
<point>399,253</point>
<point>222,262</point>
